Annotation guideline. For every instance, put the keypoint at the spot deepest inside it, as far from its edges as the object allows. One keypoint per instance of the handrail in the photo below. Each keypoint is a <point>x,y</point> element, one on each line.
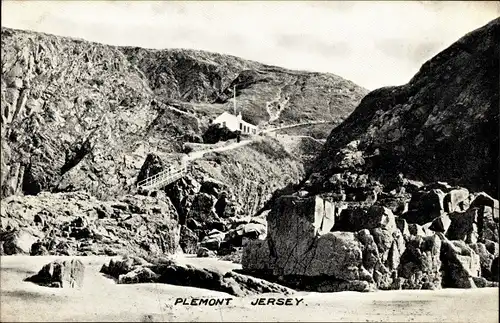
<point>164,177</point>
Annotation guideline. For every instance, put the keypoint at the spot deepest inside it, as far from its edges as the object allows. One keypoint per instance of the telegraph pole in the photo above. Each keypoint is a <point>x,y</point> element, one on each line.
<point>234,99</point>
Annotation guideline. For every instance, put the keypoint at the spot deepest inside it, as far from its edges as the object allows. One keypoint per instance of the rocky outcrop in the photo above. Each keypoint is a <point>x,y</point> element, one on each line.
<point>16,241</point>
<point>132,271</point>
<point>62,274</point>
<point>310,245</point>
<point>441,126</point>
<point>79,224</point>
<point>460,265</point>
<point>386,170</point>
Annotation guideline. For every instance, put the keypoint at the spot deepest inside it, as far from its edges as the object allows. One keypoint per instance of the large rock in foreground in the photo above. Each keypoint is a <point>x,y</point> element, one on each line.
<point>167,271</point>
<point>303,250</point>
<point>62,274</point>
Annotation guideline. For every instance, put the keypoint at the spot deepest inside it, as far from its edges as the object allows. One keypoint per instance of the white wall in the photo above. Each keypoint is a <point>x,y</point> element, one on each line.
<point>230,121</point>
<point>233,123</point>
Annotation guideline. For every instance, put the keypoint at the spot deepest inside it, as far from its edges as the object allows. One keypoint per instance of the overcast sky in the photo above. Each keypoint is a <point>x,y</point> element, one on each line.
<point>371,43</point>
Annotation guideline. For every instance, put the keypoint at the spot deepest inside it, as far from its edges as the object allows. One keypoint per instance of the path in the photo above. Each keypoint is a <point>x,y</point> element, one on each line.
<point>173,174</point>
<point>295,125</point>
<point>201,153</point>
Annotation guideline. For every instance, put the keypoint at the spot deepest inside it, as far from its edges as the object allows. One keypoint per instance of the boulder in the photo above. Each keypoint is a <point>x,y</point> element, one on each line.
<point>443,186</point>
<point>412,186</point>
<point>440,224</point>
<point>152,165</point>
<point>371,256</point>
<point>486,259</point>
<point>68,273</point>
<point>257,257</point>
<point>483,199</point>
<point>357,218</point>
<point>138,275</point>
<point>460,264</point>
<point>193,224</point>
<point>243,285</point>
<point>425,206</point>
<point>17,242</point>
<point>226,207</point>
<point>487,224</point>
<point>226,248</point>
<point>211,186</point>
<point>38,249</point>
<point>232,283</point>
<point>420,263</point>
<point>249,231</point>
<point>416,230</point>
<point>456,200</point>
<point>464,226</point>
<point>402,226</point>
<point>492,247</point>
<point>202,208</point>
<point>188,275</point>
<point>188,240</point>
<point>301,244</point>
<point>204,253</point>
<point>494,269</point>
<point>115,268</point>
<point>482,282</point>
<point>213,240</point>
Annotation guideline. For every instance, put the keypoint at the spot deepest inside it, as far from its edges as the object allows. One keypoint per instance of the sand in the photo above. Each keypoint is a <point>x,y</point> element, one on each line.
<point>101,299</point>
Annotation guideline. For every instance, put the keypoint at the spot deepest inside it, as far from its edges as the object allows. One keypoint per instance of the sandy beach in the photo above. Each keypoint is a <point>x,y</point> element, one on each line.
<point>101,299</point>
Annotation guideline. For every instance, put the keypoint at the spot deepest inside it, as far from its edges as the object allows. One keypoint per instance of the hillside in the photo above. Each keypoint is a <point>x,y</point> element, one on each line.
<point>73,106</point>
<point>404,192</point>
<point>82,123</point>
<point>442,125</point>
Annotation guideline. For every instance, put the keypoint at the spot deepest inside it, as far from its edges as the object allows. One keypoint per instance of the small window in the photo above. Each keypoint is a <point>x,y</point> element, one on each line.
<point>224,123</point>
<point>253,131</point>
<point>241,126</point>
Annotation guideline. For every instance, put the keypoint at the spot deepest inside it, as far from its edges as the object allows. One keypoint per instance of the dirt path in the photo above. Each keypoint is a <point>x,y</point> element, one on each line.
<point>294,125</point>
<point>201,153</point>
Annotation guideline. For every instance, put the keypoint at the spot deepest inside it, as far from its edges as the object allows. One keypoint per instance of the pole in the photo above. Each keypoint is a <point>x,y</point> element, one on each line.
<point>234,99</point>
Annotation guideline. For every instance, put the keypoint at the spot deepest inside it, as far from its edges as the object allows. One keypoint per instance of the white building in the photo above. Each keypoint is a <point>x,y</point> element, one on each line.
<point>236,123</point>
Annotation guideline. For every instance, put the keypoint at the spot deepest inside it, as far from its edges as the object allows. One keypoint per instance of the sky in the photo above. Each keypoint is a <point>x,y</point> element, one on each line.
<point>372,43</point>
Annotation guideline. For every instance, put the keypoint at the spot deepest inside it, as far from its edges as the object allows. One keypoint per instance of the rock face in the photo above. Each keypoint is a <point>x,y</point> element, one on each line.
<point>81,115</point>
<point>441,126</point>
<point>312,245</point>
<point>62,274</point>
<point>84,117</point>
<point>396,222</point>
<point>460,264</point>
<point>79,224</point>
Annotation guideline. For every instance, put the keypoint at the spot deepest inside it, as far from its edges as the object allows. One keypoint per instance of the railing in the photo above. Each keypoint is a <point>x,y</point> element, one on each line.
<point>163,178</point>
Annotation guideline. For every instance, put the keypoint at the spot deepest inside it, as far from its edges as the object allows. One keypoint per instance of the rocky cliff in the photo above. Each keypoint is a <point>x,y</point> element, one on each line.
<point>82,123</point>
<point>82,115</point>
<point>398,198</point>
<point>442,125</point>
